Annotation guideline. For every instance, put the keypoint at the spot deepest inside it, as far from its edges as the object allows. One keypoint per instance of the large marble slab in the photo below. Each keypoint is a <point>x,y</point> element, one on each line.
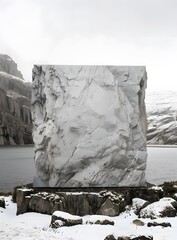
<point>89,125</point>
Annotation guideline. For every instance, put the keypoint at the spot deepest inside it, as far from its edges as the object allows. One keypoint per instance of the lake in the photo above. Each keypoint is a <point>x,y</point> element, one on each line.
<point>17,166</point>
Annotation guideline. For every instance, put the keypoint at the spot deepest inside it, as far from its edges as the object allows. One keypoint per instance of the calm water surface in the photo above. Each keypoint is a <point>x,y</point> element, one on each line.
<point>17,166</point>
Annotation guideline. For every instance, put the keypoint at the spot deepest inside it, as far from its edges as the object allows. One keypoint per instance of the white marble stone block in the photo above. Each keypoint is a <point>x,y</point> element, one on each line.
<point>89,126</point>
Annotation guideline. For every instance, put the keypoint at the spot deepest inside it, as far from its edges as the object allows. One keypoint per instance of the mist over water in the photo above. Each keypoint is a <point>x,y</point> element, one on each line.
<point>17,166</point>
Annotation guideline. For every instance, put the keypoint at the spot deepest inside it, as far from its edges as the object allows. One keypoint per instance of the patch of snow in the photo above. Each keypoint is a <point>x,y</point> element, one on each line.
<point>65,215</point>
<point>35,226</point>
<point>25,189</point>
<point>167,199</point>
<point>7,75</point>
<point>137,203</point>
<point>80,193</point>
<point>13,94</point>
<point>94,218</point>
<point>157,188</point>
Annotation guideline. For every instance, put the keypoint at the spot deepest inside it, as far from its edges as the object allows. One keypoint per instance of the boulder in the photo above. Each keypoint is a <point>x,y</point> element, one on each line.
<point>45,203</point>
<point>169,200</point>
<point>156,224</point>
<point>138,222</point>
<point>100,220</point>
<point>2,202</point>
<point>158,209</point>
<point>89,126</point>
<point>109,208</point>
<point>138,204</point>
<point>110,237</point>
<point>141,237</point>
<point>175,196</point>
<point>22,199</point>
<point>63,219</point>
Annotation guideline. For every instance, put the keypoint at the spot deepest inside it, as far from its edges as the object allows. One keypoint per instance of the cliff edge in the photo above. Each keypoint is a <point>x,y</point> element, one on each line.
<point>15,104</point>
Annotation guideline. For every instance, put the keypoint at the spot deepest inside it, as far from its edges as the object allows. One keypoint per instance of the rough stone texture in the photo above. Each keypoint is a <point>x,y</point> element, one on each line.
<point>62,219</point>
<point>73,203</point>
<point>175,196</point>
<point>9,66</point>
<point>141,237</point>
<point>162,117</point>
<point>89,126</point>
<point>15,103</point>
<point>2,202</point>
<point>81,203</point>
<point>156,224</point>
<point>138,222</point>
<point>138,204</point>
<point>22,200</point>
<point>170,189</point>
<point>158,209</point>
<point>100,220</point>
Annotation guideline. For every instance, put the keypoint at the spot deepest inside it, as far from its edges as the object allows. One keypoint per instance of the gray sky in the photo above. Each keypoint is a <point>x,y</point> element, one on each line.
<point>109,32</point>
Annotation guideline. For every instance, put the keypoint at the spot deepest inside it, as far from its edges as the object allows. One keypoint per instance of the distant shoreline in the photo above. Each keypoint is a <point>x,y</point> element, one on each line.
<point>148,145</point>
<point>162,146</point>
<point>18,145</point>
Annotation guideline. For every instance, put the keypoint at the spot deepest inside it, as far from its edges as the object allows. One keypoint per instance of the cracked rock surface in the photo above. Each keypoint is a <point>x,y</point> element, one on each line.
<point>89,126</point>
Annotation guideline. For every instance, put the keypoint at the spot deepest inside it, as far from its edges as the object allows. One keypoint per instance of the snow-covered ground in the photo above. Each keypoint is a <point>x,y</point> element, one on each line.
<point>35,226</point>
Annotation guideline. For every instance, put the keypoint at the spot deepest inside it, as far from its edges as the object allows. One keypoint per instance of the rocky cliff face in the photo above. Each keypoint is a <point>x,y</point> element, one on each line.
<point>89,126</point>
<point>162,118</point>
<point>15,103</point>
<point>8,66</point>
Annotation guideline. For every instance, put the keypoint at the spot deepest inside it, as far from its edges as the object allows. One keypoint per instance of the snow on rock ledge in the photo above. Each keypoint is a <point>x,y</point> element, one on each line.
<point>89,126</point>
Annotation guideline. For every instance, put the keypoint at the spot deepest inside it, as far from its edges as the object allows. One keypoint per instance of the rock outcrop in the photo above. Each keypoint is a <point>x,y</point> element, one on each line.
<point>8,66</point>
<point>76,203</point>
<point>15,105</point>
<point>84,201</point>
<point>89,126</point>
<point>162,208</point>
<point>162,118</point>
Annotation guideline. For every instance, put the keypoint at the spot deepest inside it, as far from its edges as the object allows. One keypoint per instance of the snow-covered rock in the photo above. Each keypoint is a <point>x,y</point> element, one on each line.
<point>98,219</point>
<point>89,126</point>
<point>132,237</point>
<point>158,209</point>
<point>138,204</point>
<point>162,117</point>
<point>175,196</point>
<point>170,200</point>
<point>61,219</point>
<point>9,67</point>
<point>156,224</point>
